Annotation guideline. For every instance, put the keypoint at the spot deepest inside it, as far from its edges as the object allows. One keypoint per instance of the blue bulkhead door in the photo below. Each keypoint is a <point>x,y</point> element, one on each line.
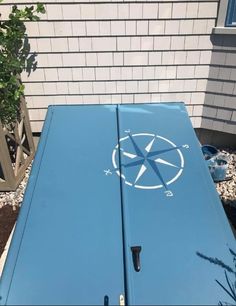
<point>68,248</point>
<point>174,223</point>
<point>119,201</point>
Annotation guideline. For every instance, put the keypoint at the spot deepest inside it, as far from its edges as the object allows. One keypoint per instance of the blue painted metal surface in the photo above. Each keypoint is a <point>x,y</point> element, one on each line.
<point>67,248</point>
<point>106,179</point>
<point>171,210</point>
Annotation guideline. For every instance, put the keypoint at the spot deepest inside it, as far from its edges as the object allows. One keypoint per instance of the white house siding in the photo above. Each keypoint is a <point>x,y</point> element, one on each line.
<point>120,52</point>
<point>219,111</point>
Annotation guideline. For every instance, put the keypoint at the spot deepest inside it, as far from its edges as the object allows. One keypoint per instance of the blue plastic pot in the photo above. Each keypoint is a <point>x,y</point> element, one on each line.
<point>219,169</point>
<point>216,164</point>
<point>209,151</point>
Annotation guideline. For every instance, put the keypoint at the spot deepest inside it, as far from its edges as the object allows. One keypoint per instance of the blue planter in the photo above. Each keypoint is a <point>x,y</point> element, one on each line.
<point>219,170</point>
<point>216,164</point>
<point>209,151</point>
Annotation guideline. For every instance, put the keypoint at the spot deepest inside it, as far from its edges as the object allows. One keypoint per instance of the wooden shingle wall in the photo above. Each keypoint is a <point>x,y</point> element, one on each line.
<point>120,52</point>
<point>219,111</point>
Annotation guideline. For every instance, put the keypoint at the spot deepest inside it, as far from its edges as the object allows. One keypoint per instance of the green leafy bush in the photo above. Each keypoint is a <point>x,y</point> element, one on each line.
<point>15,57</point>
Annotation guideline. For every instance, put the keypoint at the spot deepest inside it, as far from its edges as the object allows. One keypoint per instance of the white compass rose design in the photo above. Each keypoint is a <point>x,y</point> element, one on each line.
<point>156,162</point>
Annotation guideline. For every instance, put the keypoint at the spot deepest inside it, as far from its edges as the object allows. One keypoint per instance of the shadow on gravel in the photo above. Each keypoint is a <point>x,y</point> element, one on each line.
<point>230,210</point>
<point>8,218</point>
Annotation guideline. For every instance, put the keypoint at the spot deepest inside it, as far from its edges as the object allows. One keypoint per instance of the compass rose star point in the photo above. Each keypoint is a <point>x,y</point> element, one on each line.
<point>149,146</point>
<point>162,161</point>
<point>130,155</point>
<point>143,168</point>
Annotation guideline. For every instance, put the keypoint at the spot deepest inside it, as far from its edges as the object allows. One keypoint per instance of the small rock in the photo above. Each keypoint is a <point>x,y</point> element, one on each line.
<point>15,198</point>
<point>227,189</point>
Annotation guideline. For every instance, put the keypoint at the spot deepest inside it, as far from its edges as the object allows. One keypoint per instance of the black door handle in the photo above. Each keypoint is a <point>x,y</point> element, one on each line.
<point>106,300</point>
<point>136,257</point>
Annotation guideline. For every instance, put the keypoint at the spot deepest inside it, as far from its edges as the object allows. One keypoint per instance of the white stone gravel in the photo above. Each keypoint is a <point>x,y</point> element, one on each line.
<point>227,189</point>
<point>15,198</point>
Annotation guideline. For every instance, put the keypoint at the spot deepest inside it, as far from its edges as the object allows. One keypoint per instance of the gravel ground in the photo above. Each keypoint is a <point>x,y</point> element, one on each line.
<point>227,190</point>
<point>10,203</point>
<point>15,198</point>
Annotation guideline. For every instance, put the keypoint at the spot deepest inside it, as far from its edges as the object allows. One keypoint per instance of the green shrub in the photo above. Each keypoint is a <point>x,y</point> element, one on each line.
<point>15,57</point>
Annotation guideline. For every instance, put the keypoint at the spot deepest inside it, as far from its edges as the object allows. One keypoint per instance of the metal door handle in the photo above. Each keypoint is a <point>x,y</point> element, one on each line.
<point>106,300</point>
<point>136,257</point>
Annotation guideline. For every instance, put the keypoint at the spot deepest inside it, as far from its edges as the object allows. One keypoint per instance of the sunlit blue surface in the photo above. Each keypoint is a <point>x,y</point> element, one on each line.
<point>107,178</point>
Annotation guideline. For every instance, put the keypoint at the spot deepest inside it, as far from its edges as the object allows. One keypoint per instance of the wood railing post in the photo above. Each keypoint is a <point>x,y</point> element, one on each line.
<point>20,134</point>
